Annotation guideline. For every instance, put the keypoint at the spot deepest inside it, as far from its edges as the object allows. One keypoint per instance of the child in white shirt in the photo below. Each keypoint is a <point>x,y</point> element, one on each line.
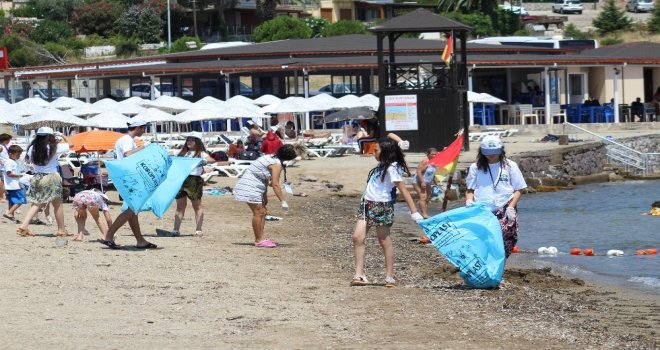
<point>15,194</point>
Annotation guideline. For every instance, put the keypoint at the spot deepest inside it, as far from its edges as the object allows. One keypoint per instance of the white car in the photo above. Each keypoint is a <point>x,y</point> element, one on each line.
<point>144,90</point>
<point>567,6</point>
<point>515,9</point>
<point>639,6</point>
<point>337,88</point>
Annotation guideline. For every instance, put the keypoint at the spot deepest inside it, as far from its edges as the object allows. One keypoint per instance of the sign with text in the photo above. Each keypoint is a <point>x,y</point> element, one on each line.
<point>401,112</point>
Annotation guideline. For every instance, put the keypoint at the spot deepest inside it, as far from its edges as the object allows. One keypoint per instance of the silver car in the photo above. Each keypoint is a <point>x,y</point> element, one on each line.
<point>567,6</point>
<point>639,6</point>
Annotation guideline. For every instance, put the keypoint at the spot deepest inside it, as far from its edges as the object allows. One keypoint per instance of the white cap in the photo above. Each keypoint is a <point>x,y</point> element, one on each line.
<point>197,135</point>
<point>136,123</point>
<point>491,145</point>
<point>44,130</point>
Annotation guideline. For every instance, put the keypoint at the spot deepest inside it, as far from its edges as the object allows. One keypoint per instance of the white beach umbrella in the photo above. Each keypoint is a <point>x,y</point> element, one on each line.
<point>473,96</point>
<point>266,99</point>
<point>109,120</point>
<point>4,103</point>
<point>129,109</point>
<point>241,99</point>
<point>242,104</point>
<point>171,104</point>
<point>348,101</point>
<point>106,104</point>
<point>370,101</point>
<point>488,98</point>
<point>33,101</point>
<point>322,102</point>
<point>17,111</point>
<point>50,117</point>
<point>288,105</point>
<point>209,104</point>
<point>84,110</point>
<point>66,102</point>
<point>135,100</point>
<point>241,111</point>
<point>198,114</point>
<point>154,115</point>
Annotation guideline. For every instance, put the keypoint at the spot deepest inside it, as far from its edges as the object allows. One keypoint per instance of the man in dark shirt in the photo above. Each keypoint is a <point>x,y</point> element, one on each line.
<point>637,108</point>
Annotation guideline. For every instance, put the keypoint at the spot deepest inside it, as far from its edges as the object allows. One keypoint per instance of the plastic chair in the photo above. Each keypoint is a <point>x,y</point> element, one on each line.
<point>556,112</point>
<point>527,111</point>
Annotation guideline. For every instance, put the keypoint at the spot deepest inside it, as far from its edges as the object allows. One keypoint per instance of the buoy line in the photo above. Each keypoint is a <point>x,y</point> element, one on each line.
<point>585,252</point>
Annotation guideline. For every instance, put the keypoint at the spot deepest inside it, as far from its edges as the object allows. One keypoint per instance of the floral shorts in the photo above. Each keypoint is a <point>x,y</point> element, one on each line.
<point>376,213</point>
<point>193,188</point>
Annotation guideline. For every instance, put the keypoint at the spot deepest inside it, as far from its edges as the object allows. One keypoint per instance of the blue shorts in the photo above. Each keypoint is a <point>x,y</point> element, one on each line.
<point>16,197</point>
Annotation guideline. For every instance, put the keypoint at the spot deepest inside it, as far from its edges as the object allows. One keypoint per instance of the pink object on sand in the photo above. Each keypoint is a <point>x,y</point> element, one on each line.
<point>266,243</point>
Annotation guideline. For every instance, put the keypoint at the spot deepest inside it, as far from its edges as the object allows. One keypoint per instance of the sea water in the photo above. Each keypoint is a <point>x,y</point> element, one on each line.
<point>600,216</point>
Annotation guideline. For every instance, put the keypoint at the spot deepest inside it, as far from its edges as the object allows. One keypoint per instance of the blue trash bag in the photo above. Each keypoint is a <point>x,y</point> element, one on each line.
<point>471,239</point>
<point>150,178</point>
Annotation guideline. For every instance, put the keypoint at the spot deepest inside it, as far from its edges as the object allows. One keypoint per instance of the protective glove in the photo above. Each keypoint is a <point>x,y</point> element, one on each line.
<point>469,202</point>
<point>511,213</point>
<point>417,217</point>
<point>285,205</point>
<point>404,145</point>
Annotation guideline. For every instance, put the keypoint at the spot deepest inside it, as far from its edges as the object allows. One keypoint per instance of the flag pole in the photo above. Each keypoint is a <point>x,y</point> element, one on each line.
<point>446,196</point>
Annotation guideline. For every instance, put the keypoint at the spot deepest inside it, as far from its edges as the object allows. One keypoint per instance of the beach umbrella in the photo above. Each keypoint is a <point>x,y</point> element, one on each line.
<point>135,100</point>
<point>288,105</point>
<point>109,120</point>
<point>50,117</point>
<point>370,101</point>
<point>349,101</point>
<point>266,99</point>
<point>473,96</point>
<point>106,104</point>
<point>4,103</point>
<point>66,102</point>
<point>209,103</point>
<point>95,140</point>
<point>17,111</point>
<point>129,108</point>
<point>33,101</point>
<point>170,104</point>
<point>193,115</point>
<point>154,115</point>
<point>322,102</point>
<point>241,99</point>
<point>84,110</point>
<point>350,113</point>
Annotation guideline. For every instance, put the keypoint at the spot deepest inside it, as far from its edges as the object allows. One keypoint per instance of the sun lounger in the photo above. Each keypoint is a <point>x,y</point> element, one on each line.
<point>320,152</point>
<point>232,170</point>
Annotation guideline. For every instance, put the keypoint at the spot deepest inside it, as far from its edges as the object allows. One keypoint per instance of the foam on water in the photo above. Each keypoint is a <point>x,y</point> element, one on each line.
<point>648,281</point>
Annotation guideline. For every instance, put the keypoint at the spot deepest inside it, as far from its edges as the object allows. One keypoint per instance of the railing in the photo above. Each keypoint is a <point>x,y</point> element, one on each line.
<point>632,160</point>
<point>407,76</point>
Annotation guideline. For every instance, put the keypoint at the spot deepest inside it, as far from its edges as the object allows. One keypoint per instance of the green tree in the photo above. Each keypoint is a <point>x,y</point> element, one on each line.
<point>343,28</point>
<point>280,28</point>
<point>654,21</point>
<point>127,47</point>
<point>467,6</point>
<point>316,24</point>
<point>96,17</point>
<point>571,31</point>
<point>611,19</point>
<point>181,44</point>
<point>144,24</point>
<point>56,10</point>
<point>50,31</point>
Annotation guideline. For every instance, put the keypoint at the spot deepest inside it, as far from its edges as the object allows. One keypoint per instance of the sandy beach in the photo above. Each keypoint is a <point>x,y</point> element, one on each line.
<point>220,292</point>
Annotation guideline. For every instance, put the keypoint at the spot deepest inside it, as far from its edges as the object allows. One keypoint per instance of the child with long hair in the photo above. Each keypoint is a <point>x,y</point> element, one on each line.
<point>497,182</point>
<point>46,184</point>
<point>423,181</point>
<point>193,186</point>
<point>377,207</point>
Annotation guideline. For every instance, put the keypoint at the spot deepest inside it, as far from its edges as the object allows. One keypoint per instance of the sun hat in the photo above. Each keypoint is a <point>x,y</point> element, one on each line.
<point>197,135</point>
<point>44,130</point>
<point>491,145</point>
<point>136,123</point>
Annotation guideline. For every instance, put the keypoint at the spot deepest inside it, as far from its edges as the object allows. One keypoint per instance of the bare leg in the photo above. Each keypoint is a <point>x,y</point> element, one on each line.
<point>31,213</point>
<point>81,217</point>
<point>12,210</point>
<point>119,222</point>
<point>134,223</point>
<point>59,215</point>
<point>258,221</point>
<point>359,235</point>
<point>97,218</point>
<point>181,204</point>
<point>199,215</point>
<point>385,241</point>
<point>423,203</point>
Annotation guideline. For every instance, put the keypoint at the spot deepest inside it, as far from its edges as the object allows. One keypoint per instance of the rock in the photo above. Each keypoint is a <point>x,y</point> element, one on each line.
<point>334,186</point>
<point>308,179</point>
<point>61,242</point>
<point>614,177</point>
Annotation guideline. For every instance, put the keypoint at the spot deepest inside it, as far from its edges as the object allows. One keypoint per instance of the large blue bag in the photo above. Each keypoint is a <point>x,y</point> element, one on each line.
<point>471,239</point>
<point>149,179</point>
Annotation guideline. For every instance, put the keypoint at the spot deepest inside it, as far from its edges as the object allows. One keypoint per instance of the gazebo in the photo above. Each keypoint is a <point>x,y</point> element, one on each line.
<point>425,103</point>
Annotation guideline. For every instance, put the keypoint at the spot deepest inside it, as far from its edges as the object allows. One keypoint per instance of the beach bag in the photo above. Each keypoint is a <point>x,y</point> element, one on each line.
<point>249,155</point>
<point>220,156</point>
<point>150,179</point>
<point>470,238</point>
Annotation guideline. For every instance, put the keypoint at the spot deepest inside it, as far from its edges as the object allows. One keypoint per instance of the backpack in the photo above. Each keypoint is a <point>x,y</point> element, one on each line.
<point>219,156</point>
<point>249,155</point>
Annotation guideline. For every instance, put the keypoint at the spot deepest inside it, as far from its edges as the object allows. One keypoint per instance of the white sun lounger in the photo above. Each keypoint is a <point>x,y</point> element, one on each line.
<point>233,170</point>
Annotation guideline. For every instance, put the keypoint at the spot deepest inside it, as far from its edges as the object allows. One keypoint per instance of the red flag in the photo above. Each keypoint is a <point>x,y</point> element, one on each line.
<point>448,52</point>
<point>445,161</point>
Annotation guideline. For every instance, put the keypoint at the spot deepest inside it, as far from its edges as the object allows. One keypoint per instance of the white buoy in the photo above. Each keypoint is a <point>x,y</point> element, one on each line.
<point>614,252</point>
<point>553,250</point>
<point>543,250</point>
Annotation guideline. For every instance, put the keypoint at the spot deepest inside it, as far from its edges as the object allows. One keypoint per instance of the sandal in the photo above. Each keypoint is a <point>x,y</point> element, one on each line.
<point>63,234</point>
<point>266,243</point>
<point>11,218</point>
<point>360,281</point>
<point>198,234</point>
<point>146,246</point>
<point>424,239</point>
<point>390,282</point>
<point>23,232</point>
<point>109,244</point>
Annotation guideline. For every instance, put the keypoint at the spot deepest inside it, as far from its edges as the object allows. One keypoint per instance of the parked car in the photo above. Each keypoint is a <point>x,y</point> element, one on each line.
<point>216,88</point>
<point>144,90</point>
<point>567,6</point>
<point>515,9</point>
<point>41,92</point>
<point>640,6</point>
<point>338,89</point>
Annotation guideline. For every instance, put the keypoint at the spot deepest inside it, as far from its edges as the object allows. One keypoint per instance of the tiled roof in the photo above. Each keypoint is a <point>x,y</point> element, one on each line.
<point>420,21</point>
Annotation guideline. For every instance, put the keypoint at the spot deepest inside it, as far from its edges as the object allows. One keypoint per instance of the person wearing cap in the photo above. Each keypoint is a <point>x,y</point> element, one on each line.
<point>92,201</point>
<point>124,147</point>
<point>193,186</point>
<point>46,183</point>
<point>497,182</point>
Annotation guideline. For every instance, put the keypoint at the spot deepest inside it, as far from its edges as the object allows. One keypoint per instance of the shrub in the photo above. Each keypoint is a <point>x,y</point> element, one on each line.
<point>611,19</point>
<point>127,47</point>
<point>316,24</point>
<point>571,31</point>
<point>180,44</point>
<point>654,22</point>
<point>280,28</point>
<point>611,40</point>
<point>344,28</point>
<point>50,31</point>
<point>23,57</point>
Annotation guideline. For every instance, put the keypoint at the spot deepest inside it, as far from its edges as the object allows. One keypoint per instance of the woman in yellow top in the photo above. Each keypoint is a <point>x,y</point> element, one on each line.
<point>655,209</point>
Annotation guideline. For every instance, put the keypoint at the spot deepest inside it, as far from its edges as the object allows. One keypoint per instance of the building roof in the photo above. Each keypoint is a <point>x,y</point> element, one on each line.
<point>420,21</point>
<point>641,50</point>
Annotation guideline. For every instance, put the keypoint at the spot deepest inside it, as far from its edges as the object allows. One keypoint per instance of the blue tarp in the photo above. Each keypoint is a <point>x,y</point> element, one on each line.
<point>471,239</point>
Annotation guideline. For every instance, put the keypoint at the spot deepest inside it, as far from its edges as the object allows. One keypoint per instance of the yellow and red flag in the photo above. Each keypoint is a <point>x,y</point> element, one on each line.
<point>448,52</point>
<point>445,161</point>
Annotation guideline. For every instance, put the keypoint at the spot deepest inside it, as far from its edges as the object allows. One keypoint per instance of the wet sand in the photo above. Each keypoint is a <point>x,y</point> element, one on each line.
<point>219,291</point>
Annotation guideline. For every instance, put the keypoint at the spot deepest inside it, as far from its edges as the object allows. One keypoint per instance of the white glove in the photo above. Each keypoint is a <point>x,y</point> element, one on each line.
<point>469,202</point>
<point>417,217</point>
<point>285,205</point>
<point>404,145</point>
<point>511,213</point>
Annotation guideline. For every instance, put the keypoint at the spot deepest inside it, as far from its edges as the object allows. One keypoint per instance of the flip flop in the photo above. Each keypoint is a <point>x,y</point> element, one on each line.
<point>147,246</point>
<point>266,243</point>
<point>109,244</point>
<point>9,217</point>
